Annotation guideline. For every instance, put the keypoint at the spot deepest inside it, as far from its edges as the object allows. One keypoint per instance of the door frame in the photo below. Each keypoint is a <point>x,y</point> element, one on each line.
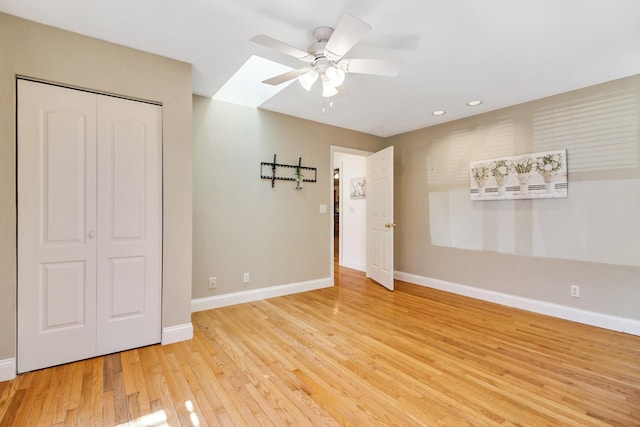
<point>332,150</point>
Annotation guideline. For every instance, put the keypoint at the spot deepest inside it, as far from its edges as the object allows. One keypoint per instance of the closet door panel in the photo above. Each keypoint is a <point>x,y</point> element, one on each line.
<point>56,225</point>
<point>129,224</point>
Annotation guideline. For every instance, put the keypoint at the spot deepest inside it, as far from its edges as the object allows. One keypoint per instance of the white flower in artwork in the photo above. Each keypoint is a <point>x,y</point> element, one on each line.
<point>548,166</point>
<point>500,170</point>
<point>480,174</point>
<point>549,163</point>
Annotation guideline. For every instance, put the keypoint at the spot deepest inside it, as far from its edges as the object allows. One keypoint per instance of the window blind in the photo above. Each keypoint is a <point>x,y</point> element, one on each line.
<point>599,132</point>
<point>448,158</point>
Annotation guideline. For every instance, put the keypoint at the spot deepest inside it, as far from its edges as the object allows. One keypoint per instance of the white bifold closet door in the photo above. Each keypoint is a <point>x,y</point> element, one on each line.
<point>89,224</point>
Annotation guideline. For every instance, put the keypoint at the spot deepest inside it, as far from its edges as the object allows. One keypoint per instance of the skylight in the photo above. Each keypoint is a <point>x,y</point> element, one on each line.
<point>245,87</point>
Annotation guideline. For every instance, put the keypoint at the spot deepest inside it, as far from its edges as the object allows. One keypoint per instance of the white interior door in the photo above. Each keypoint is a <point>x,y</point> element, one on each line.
<point>89,225</point>
<point>129,224</point>
<point>56,226</point>
<point>380,223</point>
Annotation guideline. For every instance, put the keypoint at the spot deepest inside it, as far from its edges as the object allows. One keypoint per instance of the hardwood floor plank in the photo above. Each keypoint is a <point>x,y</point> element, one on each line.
<point>133,407</point>
<point>8,390</point>
<point>48,412</point>
<point>165,407</point>
<point>63,394</point>
<point>23,410</point>
<point>107,373</point>
<point>138,374</point>
<point>128,360</point>
<point>354,354</point>
<point>205,411</point>
<point>150,369</point>
<point>120,409</point>
<point>178,388</point>
<point>9,414</point>
<point>84,407</point>
<point>108,409</point>
<point>75,388</point>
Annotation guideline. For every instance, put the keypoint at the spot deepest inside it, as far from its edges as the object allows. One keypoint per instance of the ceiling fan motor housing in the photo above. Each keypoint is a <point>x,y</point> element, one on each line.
<point>318,48</point>
<point>322,34</point>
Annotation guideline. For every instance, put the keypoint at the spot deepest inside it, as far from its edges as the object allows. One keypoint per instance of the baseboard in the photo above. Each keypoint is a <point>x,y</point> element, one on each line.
<point>7,369</point>
<point>173,334</point>
<point>353,265</point>
<point>601,320</point>
<point>218,301</point>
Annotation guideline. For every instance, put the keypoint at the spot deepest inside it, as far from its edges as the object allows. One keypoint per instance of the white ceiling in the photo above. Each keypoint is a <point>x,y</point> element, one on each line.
<point>504,52</point>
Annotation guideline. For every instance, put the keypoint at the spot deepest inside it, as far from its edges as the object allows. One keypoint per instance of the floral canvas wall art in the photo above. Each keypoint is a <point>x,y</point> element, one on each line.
<point>530,176</point>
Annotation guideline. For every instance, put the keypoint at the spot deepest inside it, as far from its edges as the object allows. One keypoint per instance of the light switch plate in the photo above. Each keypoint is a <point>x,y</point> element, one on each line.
<point>323,209</point>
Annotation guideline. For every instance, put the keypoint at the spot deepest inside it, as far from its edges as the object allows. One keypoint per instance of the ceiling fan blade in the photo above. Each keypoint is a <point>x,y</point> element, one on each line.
<point>285,77</point>
<point>272,43</point>
<point>380,67</point>
<point>348,32</point>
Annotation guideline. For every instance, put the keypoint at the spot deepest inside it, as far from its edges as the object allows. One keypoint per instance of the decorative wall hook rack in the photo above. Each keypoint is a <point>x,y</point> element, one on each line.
<point>265,166</point>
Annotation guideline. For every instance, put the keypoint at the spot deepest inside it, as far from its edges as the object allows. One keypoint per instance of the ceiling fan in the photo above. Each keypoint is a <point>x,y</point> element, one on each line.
<point>326,59</point>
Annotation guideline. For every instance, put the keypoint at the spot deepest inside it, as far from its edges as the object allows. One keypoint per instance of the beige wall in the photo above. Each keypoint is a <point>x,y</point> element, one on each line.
<point>529,248</point>
<point>241,224</point>
<point>42,52</point>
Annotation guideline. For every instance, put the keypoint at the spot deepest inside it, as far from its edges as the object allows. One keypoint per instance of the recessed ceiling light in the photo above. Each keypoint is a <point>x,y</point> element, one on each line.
<point>474,102</point>
<point>438,112</point>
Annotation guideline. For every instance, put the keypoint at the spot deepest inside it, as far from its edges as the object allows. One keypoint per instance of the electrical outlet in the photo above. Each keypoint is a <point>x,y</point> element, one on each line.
<point>245,278</point>
<point>575,291</point>
<point>212,282</point>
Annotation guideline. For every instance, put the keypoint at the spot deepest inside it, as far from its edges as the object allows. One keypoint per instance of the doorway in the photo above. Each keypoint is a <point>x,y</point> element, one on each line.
<point>349,198</point>
<point>364,212</point>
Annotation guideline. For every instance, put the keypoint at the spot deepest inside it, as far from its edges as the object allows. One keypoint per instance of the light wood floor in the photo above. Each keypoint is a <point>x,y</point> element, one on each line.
<point>354,355</point>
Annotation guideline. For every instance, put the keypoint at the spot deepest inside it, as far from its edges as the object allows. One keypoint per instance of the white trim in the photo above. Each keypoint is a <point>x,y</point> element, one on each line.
<point>218,301</point>
<point>7,369</point>
<point>347,150</point>
<point>177,333</point>
<point>601,320</point>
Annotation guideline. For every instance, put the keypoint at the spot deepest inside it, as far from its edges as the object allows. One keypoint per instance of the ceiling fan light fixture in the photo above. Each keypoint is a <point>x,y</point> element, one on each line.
<point>335,75</point>
<point>328,90</point>
<point>308,79</point>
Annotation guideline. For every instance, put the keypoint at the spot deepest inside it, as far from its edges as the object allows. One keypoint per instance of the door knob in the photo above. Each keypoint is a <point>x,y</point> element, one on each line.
<point>92,234</point>
<point>389,225</point>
